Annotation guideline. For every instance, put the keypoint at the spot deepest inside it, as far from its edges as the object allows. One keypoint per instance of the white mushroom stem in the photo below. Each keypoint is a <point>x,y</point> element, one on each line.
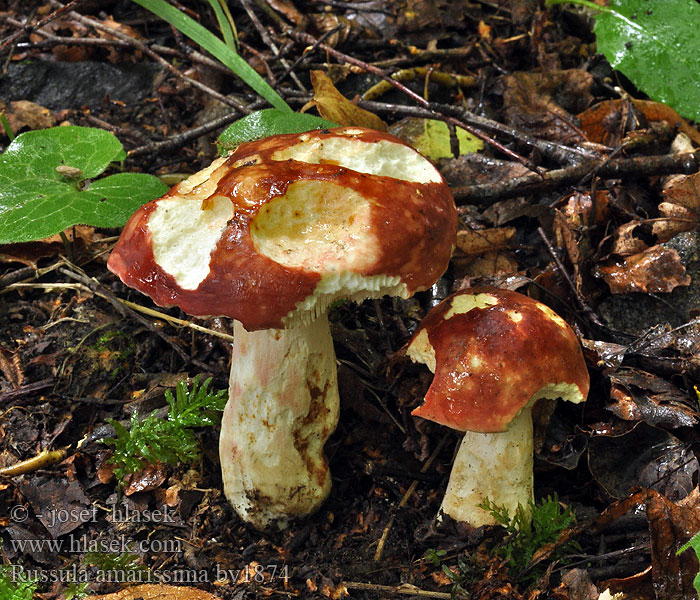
<point>283,405</point>
<point>497,466</point>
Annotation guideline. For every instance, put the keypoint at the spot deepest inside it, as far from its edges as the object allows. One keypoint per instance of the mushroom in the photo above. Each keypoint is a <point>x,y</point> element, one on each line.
<point>494,352</point>
<point>270,236</point>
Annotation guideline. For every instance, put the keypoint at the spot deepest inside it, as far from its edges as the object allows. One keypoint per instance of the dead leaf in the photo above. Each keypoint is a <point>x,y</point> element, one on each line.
<point>671,525</point>
<point>601,122</point>
<point>636,587</point>
<point>149,478</point>
<point>539,103</point>
<point>473,242</point>
<point>323,23</point>
<point>288,10</point>
<point>28,253</point>
<point>23,114</point>
<point>489,264</point>
<point>641,396</point>
<point>579,585</point>
<point>654,270</point>
<point>605,354</point>
<point>59,504</point>
<point>566,237</point>
<point>151,591</point>
<point>632,238</point>
<point>472,169</point>
<point>643,456</point>
<point>681,201</point>
<point>484,252</point>
<point>11,367</point>
<point>484,30</point>
<point>441,579</point>
<point>332,591</point>
<point>580,212</point>
<point>333,106</point>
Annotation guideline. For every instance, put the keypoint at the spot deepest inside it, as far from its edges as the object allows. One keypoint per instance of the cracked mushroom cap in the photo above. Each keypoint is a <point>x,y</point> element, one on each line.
<point>492,352</point>
<point>277,230</point>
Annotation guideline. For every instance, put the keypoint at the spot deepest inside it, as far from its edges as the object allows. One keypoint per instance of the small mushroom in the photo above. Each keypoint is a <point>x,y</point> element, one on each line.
<point>494,352</point>
<point>270,236</point>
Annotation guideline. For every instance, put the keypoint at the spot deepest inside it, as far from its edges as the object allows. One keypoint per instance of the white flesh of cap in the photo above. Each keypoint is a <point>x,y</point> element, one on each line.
<point>183,233</point>
<point>376,158</point>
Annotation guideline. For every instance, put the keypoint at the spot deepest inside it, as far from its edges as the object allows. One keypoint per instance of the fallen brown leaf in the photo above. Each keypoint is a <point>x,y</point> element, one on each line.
<point>654,270</point>
<point>11,367</point>
<point>23,114</point>
<point>539,103</point>
<point>478,241</point>
<point>671,525</point>
<point>333,106</point>
<point>149,478</point>
<point>600,121</point>
<point>681,198</point>
<point>150,591</point>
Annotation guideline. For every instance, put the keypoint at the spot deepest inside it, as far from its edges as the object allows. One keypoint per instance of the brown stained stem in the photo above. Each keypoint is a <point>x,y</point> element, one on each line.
<point>239,106</point>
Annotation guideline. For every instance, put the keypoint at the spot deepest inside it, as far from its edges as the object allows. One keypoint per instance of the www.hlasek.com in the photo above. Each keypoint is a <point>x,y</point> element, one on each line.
<point>81,545</point>
<point>253,572</point>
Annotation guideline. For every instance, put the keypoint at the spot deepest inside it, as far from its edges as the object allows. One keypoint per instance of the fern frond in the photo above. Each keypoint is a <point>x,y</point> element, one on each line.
<point>170,441</point>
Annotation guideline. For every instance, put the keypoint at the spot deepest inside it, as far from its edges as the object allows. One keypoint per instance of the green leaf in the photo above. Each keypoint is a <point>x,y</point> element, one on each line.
<point>432,138</point>
<point>225,21</point>
<point>655,44</point>
<point>693,543</point>
<point>36,154</point>
<point>264,123</point>
<point>121,194</point>
<point>36,200</point>
<point>215,46</point>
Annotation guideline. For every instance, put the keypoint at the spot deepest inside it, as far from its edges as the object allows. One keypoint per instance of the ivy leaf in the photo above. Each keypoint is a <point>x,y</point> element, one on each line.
<point>264,123</point>
<point>45,183</point>
<point>655,44</point>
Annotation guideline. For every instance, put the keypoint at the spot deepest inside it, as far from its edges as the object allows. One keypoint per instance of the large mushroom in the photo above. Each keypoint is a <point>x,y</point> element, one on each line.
<point>494,352</point>
<point>270,236</point>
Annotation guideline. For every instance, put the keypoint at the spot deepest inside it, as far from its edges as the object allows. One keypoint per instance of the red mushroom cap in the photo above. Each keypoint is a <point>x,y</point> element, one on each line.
<point>286,222</point>
<point>492,352</point>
